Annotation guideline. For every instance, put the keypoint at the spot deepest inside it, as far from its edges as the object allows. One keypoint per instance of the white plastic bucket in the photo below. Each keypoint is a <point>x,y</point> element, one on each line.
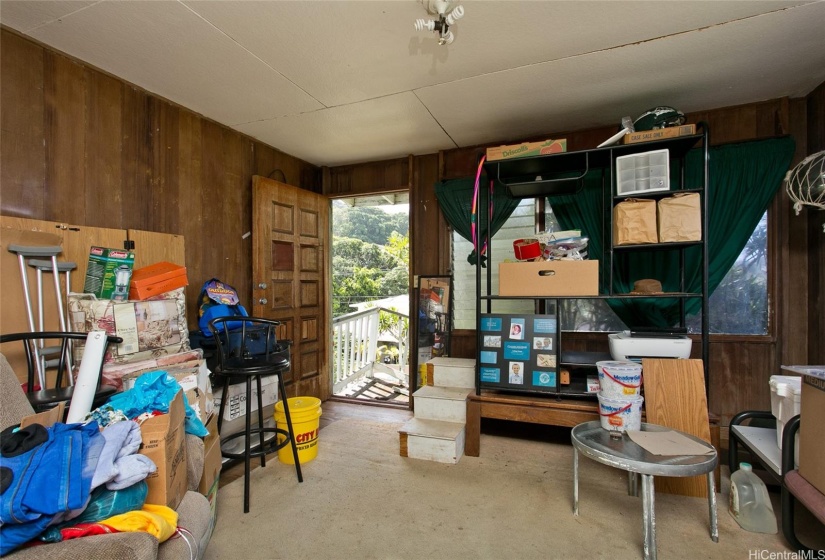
<point>619,379</point>
<point>620,415</point>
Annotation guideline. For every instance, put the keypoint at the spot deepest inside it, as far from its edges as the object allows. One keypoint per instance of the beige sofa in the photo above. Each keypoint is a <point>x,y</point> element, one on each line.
<point>193,512</point>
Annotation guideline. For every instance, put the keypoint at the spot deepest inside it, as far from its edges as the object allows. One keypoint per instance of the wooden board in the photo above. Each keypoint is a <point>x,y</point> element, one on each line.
<point>150,247</point>
<point>522,408</point>
<point>674,392</point>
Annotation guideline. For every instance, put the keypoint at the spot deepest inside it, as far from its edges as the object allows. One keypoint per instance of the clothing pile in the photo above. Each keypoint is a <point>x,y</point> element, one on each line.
<point>71,480</point>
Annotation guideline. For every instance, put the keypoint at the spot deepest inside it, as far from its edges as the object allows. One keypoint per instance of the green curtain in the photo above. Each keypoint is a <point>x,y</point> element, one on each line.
<point>744,178</point>
<point>455,197</point>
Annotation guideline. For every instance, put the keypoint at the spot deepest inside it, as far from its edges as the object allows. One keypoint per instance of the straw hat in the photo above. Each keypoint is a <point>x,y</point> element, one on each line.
<point>647,286</point>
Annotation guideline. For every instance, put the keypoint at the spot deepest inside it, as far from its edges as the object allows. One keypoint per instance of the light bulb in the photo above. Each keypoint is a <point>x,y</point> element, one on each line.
<point>447,38</point>
<point>424,25</point>
<point>455,15</point>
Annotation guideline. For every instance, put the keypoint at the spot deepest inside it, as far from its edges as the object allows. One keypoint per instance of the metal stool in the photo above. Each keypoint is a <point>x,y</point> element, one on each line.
<point>23,252</point>
<point>248,350</point>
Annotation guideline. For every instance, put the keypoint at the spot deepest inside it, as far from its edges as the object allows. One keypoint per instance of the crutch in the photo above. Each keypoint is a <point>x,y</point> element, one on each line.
<point>23,252</point>
<point>42,266</point>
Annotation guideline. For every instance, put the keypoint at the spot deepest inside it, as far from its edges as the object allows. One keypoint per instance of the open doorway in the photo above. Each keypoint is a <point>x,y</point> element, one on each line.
<point>370,299</point>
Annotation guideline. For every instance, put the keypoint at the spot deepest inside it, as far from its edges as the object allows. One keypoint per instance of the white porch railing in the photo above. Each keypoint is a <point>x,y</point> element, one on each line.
<point>355,344</point>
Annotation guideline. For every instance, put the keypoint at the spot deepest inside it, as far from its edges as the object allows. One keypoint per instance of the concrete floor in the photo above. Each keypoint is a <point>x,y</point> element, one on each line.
<point>808,528</point>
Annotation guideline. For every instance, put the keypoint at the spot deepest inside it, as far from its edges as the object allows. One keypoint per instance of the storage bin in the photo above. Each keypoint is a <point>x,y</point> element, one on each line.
<point>642,173</point>
<point>786,398</point>
<point>549,278</point>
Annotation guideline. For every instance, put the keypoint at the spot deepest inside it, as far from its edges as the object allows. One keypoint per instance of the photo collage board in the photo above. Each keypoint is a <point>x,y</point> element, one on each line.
<point>519,352</point>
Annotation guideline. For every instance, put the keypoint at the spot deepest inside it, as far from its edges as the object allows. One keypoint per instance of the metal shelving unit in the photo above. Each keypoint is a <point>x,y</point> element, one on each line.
<point>562,173</point>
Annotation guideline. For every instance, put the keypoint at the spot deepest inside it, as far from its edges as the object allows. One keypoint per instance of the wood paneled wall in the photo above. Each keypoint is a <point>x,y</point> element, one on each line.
<point>816,222</point>
<point>80,146</point>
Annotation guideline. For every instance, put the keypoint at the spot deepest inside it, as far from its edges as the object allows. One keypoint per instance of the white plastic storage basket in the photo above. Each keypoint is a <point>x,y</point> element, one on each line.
<point>643,173</point>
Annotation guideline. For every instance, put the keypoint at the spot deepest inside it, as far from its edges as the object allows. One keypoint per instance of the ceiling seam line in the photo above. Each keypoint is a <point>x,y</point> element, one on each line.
<point>57,19</point>
<point>435,119</point>
<point>259,59</point>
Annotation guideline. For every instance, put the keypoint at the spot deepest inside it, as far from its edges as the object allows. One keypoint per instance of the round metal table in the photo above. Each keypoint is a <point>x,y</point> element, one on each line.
<point>592,441</point>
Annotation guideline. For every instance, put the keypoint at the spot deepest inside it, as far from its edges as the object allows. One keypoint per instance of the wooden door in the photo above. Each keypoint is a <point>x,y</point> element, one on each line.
<point>290,277</point>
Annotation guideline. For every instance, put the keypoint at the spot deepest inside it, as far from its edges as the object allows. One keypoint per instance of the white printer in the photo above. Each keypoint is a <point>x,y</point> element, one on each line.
<point>635,346</point>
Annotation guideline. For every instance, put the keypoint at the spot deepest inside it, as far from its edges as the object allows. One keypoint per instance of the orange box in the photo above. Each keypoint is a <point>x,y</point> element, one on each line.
<point>156,279</point>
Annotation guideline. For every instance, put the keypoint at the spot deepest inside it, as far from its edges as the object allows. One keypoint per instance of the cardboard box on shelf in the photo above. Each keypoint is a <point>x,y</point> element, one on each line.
<point>634,222</point>
<point>164,443</point>
<point>811,450</point>
<point>659,134</point>
<point>527,149</point>
<point>549,278</point>
<point>593,385</point>
<point>108,273</point>
<point>156,279</point>
<point>679,218</point>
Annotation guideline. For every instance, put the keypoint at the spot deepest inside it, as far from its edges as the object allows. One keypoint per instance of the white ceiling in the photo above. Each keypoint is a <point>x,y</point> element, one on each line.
<point>337,82</point>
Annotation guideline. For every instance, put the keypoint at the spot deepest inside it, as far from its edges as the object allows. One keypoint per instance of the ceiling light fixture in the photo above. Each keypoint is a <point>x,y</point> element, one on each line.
<point>448,13</point>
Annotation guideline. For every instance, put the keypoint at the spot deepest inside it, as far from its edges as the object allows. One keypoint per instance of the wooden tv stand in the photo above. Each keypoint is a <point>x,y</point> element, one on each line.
<point>522,408</point>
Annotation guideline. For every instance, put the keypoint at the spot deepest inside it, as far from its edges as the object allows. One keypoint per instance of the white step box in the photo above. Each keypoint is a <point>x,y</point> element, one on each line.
<point>432,440</point>
<point>452,372</point>
<point>448,404</point>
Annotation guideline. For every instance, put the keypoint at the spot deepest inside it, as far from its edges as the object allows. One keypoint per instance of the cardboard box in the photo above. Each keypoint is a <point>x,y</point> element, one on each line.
<point>549,278</point>
<point>593,385</point>
<point>46,419</point>
<point>164,443</point>
<point>659,134</point>
<point>157,279</point>
<point>236,407</point>
<point>193,378</point>
<point>634,222</point>
<point>108,273</point>
<point>811,450</point>
<point>527,149</point>
<point>680,218</point>
<point>201,402</point>
<point>211,457</point>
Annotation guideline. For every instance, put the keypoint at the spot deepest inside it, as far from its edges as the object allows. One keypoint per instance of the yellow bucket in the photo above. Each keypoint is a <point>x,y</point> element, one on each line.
<point>305,413</point>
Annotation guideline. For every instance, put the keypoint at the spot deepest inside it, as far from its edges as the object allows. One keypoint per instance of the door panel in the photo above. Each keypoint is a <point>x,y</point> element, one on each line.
<point>291,284</point>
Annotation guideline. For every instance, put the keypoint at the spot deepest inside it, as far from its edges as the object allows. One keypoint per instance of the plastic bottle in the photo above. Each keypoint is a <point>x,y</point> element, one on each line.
<point>750,503</point>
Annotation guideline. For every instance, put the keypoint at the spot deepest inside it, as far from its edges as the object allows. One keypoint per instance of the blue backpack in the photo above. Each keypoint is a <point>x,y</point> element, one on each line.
<point>218,300</point>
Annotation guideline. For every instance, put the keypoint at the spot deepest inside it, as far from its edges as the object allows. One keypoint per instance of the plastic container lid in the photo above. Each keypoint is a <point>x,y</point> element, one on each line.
<point>629,367</point>
<point>745,466</point>
<point>299,404</point>
<point>786,385</point>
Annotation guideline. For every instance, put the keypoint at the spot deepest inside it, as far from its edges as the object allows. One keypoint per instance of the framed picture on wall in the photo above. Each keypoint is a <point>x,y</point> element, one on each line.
<point>433,319</point>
